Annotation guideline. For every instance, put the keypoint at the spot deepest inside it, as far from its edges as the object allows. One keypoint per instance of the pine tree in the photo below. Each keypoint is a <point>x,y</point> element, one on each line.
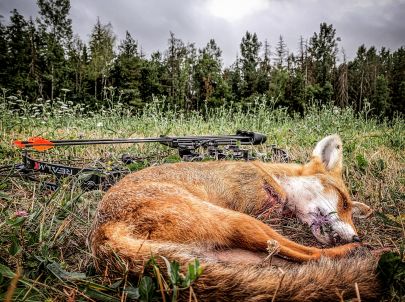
<point>186,77</point>
<point>264,70</point>
<point>209,84</point>
<point>363,72</point>
<point>127,71</point>
<point>323,49</point>
<point>249,48</point>
<point>102,40</point>
<point>4,78</point>
<point>77,68</point>
<point>55,28</point>
<point>18,53</point>
<point>281,53</point>
<point>175,57</point>
<point>397,85</point>
<point>233,77</point>
<point>381,99</point>
<point>151,77</point>
<point>356,78</point>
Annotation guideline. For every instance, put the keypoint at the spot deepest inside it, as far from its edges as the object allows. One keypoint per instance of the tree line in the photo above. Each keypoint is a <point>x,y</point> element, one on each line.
<point>42,59</point>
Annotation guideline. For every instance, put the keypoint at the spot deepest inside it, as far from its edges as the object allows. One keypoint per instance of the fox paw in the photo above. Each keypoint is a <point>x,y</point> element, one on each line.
<point>273,247</point>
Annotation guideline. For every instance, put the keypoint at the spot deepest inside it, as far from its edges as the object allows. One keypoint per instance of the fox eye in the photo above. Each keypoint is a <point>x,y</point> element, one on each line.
<point>345,204</point>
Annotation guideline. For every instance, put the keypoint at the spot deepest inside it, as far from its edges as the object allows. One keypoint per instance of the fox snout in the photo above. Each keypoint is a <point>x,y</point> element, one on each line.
<point>338,239</point>
<point>356,238</point>
<point>329,229</point>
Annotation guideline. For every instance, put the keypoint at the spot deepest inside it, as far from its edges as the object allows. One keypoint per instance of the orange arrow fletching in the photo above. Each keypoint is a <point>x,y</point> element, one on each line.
<point>37,143</point>
<point>40,144</point>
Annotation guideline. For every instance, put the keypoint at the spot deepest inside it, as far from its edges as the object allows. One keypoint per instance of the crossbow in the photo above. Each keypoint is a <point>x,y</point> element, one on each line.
<point>190,148</point>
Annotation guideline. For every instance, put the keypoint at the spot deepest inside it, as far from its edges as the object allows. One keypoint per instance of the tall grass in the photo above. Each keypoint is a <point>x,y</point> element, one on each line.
<point>43,234</point>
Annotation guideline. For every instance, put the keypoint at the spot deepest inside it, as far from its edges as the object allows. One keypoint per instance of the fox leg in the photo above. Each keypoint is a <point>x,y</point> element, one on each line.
<point>253,233</point>
<point>184,220</point>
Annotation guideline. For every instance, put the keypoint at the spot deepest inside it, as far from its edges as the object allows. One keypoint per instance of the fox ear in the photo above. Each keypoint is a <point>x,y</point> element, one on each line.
<point>329,151</point>
<point>361,210</point>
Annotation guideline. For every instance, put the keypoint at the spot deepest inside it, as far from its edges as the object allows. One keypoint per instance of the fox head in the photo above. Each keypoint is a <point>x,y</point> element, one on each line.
<point>320,198</point>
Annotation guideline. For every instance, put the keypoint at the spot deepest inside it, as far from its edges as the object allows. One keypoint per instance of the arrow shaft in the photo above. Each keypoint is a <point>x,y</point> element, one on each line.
<point>137,140</point>
<point>219,140</point>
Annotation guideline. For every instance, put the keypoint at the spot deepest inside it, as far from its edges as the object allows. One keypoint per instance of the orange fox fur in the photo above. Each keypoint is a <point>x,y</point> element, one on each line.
<point>206,210</point>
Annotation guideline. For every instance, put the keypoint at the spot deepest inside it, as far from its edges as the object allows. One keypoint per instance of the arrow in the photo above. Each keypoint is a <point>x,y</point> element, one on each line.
<point>42,144</point>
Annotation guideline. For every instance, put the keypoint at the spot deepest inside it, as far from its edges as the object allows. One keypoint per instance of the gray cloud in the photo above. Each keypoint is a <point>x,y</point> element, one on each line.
<point>372,22</point>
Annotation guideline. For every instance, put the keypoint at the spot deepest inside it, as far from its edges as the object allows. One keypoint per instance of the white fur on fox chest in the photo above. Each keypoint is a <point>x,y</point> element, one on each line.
<point>306,195</point>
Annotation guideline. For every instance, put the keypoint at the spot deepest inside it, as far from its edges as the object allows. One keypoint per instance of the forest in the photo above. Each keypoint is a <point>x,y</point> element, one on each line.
<point>43,60</point>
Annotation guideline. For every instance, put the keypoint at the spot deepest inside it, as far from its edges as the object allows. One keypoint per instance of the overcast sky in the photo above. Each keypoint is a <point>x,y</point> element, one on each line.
<point>370,22</point>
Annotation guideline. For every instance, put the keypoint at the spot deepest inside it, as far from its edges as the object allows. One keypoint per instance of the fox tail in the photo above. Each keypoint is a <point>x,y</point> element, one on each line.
<point>322,280</point>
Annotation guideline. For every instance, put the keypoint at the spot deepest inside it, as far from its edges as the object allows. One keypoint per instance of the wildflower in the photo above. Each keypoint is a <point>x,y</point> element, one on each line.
<point>21,213</point>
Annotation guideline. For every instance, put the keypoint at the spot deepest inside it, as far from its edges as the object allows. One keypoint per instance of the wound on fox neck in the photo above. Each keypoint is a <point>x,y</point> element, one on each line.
<point>273,203</point>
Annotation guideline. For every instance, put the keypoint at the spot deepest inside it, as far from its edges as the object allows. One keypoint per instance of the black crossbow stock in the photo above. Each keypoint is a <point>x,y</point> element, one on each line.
<point>190,148</point>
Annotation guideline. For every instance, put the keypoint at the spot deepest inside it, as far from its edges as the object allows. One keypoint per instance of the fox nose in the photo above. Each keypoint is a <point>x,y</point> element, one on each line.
<point>356,238</point>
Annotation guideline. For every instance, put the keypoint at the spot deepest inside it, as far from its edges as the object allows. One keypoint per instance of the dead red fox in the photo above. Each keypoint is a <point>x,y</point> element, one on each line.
<point>206,210</point>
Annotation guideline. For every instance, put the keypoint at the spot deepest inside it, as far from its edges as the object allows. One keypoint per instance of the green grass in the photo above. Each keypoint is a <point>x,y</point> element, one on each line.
<point>47,249</point>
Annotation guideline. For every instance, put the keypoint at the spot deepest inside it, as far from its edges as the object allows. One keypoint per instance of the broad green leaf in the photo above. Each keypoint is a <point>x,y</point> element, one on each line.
<point>5,271</point>
<point>146,289</point>
<point>132,292</point>
<point>172,270</point>
<point>15,247</point>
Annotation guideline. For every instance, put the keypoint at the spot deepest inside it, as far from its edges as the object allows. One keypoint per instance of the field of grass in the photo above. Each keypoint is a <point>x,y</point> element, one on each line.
<point>43,253</point>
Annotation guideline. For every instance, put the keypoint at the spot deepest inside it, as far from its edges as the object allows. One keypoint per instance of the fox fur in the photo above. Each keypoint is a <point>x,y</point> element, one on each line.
<point>207,211</point>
